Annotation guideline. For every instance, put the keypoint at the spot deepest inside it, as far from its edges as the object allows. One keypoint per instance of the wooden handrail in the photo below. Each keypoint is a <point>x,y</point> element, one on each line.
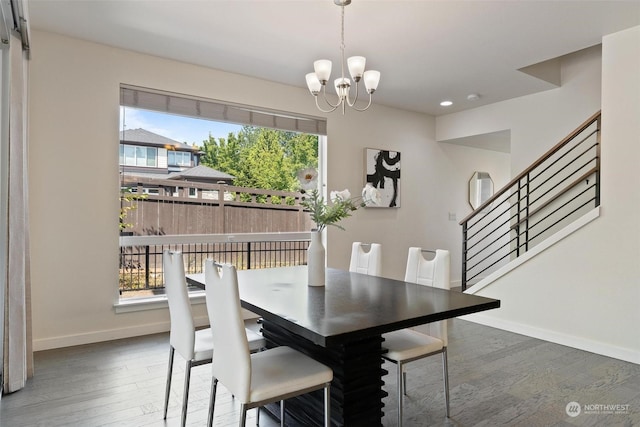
<point>534,165</point>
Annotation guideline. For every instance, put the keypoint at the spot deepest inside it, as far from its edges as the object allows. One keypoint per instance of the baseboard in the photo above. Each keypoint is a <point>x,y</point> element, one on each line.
<point>120,333</point>
<point>622,353</point>
<point>107,335</point>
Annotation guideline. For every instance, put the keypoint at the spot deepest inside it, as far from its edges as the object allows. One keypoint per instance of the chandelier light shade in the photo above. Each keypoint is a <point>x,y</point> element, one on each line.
<point>317,81</point>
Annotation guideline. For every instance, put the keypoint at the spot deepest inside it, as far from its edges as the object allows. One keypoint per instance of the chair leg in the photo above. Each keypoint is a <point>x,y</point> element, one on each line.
<point>282,413</point>
<point>169,373</point>
<point>257,416</point>
<point>243,414</point>
<point>212,401</point>
<point>400,387</point>
<point>445,372</point>
<point>327,405</point>
<point>404,381</point>
<point>185,397</point>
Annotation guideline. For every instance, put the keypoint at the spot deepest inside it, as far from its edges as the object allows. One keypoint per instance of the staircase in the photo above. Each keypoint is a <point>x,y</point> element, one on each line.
<point>554,192</point>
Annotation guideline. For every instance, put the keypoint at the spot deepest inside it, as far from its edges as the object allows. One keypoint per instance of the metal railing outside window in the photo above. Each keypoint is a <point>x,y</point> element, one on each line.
<point>141,256</point>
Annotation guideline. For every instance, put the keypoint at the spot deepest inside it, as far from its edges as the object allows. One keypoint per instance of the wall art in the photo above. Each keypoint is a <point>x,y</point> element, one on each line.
<point>382,170</point>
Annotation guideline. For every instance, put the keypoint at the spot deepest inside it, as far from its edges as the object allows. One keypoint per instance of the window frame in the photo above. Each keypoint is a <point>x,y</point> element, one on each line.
<point>217,111</point>
<point>181,154</point>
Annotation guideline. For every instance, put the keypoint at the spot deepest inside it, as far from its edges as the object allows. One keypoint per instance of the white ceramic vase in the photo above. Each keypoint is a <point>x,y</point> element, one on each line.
<point>316,259</point>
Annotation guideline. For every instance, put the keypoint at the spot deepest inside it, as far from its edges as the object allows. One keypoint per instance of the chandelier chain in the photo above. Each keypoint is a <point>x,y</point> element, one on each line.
<point>342,46</point>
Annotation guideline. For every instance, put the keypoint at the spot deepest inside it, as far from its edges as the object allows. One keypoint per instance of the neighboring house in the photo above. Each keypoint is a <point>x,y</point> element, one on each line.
<point>146,152</point>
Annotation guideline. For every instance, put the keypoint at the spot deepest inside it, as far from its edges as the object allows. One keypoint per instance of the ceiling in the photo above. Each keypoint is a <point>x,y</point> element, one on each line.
<point>426,51</point>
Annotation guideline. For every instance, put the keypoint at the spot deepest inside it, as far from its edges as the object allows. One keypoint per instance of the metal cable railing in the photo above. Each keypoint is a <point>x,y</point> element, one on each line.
<point>554,191</point>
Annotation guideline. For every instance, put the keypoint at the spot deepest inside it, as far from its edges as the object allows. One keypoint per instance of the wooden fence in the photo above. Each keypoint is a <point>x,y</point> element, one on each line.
<point>173,207</point>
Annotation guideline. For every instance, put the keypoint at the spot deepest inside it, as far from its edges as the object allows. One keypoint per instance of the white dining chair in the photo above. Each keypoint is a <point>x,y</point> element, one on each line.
<point>195,346</point>
<point>260,378</point>
<point>366,258</point>
<point>407,345</point>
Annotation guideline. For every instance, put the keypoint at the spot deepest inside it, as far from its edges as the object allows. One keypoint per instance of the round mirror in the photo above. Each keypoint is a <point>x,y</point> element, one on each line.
<point>480,188</point>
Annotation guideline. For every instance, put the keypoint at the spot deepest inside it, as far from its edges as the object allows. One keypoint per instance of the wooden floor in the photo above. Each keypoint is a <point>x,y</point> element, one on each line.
<point>496,378</point>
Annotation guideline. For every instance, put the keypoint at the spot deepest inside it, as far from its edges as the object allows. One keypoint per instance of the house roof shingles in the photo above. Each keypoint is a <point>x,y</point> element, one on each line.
<point>149,138</point>
<point>201,172</point>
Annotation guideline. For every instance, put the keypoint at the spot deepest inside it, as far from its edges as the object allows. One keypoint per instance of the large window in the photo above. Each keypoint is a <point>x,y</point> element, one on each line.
<point>251,188</point>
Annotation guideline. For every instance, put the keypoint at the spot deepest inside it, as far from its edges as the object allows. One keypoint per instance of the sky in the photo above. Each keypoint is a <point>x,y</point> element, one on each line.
<point>179,128</point>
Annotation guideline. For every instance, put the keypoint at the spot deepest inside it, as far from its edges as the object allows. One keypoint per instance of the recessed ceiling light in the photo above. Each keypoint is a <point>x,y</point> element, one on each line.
<point>446,103</point>
<point>473,96</point>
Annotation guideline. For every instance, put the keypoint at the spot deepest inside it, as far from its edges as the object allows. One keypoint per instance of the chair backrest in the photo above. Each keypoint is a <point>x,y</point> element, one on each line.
<point>182,334</point>
<point>231,358</point>
<point>366,262</point>
<point>434,272</point>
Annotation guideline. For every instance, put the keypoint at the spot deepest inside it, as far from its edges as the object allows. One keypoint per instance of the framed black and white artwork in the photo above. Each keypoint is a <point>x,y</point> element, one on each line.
<point>382,170</point>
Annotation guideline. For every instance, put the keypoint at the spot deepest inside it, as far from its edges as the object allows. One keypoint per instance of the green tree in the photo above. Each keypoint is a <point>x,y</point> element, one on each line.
<point>223,155</point>
<point>261,157</point>
<point>302,149</point>
<point>266,165</point>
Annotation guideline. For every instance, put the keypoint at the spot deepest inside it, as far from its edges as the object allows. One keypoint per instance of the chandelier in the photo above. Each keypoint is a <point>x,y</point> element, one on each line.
<point>317,81</point>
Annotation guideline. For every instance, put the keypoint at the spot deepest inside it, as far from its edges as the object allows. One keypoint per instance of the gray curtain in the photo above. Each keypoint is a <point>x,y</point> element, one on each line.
<point>18,353</point>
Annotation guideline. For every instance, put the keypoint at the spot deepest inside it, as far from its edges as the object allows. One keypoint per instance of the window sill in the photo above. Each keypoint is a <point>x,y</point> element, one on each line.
<point>153,303</point>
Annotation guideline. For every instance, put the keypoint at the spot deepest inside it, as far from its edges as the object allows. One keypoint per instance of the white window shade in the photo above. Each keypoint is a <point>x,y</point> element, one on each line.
<point>184,105</point>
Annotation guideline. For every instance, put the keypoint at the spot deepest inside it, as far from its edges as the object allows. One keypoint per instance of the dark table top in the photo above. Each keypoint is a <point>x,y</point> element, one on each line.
<point>351,306</point>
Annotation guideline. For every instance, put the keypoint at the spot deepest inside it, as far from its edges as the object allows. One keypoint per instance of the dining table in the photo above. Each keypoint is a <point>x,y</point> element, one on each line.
<point>341,325</point>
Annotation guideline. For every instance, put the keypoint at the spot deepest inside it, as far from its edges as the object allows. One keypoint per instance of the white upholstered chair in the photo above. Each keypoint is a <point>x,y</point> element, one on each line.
<point>195,346</point>
<point>254,379</point>
<point>366,258</point>
<point>407,345</point>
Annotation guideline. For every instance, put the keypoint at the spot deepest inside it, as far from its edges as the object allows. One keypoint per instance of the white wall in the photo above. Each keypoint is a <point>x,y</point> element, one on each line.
<point>421,219</point>
<point>468,160</point>
<point>73,106</point>
<point>464,161</point>
<point>583,291</point>
<point>536,121</point>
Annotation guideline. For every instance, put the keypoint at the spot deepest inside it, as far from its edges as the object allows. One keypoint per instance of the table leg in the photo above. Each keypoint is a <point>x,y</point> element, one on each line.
<point>356,390</point>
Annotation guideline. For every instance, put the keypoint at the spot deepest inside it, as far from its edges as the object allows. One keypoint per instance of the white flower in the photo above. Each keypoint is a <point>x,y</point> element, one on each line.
<point>308,179</point>
<point>324,213</point>
<point>371,195</point>
<point>340,195</point>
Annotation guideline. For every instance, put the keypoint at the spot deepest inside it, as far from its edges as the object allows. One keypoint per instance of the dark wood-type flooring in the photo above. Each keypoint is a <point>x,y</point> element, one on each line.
<point>496,378</point>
